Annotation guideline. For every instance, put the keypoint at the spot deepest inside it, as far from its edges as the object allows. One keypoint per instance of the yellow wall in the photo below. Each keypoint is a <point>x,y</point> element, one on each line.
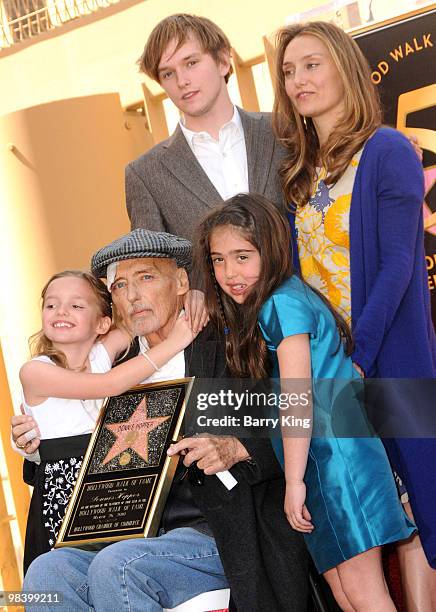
<point>14,500</point>
<point>62,195</point>
<point>97,54</point>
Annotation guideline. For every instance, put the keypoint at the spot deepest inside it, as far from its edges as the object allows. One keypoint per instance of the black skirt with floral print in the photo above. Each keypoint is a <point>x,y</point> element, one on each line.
<point>53,481</point>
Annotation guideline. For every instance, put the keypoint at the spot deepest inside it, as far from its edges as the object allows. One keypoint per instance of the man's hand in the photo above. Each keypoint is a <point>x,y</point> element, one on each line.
<point>195,310</point>
<point>212,453</point>
<point>25,433</point>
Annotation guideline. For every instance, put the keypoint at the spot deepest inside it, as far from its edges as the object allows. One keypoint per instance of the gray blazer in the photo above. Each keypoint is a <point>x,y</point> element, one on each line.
<point>167,189</point>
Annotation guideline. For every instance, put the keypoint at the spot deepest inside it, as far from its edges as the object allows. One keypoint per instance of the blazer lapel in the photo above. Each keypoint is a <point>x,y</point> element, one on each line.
<point>259,142</point>
<point>182,163</point>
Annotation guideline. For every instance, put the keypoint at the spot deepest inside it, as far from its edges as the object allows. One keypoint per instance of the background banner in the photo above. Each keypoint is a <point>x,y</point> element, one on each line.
<point>402,56</point>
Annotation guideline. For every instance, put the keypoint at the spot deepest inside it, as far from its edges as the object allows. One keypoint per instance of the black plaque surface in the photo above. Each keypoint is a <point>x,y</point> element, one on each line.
<point>126,474</point>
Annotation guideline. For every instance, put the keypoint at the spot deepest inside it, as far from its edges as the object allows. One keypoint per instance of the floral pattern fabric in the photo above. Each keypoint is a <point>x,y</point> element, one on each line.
<point>59,480</point>
<point>323,238</point>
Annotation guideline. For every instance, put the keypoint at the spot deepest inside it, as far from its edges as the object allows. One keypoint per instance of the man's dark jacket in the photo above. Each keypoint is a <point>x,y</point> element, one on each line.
<point>265,561</point>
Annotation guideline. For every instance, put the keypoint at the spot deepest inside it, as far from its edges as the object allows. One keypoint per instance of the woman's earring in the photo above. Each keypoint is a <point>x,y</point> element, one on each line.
<point>305,123</point>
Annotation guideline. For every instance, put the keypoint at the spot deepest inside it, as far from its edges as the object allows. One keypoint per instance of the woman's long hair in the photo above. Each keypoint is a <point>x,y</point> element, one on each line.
<point>39,344</point>
<point>362,113</point>
<point>261,224</point>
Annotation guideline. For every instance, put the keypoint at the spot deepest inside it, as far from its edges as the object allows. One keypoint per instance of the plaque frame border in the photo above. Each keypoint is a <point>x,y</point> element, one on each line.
<point>165,478</point>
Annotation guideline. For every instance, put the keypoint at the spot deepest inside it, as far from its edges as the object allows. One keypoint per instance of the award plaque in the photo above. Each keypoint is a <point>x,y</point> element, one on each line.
<point>126,473</point>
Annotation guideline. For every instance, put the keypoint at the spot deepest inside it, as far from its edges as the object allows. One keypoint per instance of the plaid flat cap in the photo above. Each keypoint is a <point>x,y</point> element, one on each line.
<point>142,243</point>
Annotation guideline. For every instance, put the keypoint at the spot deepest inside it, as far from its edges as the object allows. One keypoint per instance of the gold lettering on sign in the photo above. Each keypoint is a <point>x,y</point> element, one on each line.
<point>407,48</point>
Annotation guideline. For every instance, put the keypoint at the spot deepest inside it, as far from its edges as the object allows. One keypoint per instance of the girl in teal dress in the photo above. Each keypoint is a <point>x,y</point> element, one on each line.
<point>340,491</point>
<point>355,192</point>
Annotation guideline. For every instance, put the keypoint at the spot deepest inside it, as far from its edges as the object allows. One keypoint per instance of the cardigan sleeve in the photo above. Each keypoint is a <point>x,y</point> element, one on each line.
<point>400,194</point>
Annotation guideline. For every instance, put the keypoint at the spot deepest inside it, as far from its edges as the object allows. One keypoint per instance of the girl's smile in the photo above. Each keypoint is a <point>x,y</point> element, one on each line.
<point>70,312</point>
<point>236,262</point>
<point>62,324</point>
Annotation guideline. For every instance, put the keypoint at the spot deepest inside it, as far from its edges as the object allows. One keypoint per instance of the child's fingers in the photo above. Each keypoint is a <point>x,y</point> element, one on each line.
<point>197,317</point>
<point>306,513</point>
<point>196,313</point>
<point>204,319</point>
<point>302,523</point>
<point>301,528</point>
<point>187,308</point>
<point>298,523</point>
<point>194,317</point>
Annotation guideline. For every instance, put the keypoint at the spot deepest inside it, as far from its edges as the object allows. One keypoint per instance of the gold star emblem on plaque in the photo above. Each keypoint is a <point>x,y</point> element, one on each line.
<point>133,433</point>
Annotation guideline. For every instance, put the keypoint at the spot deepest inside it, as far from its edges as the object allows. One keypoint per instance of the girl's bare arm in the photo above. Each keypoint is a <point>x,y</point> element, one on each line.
<point>42,380</point>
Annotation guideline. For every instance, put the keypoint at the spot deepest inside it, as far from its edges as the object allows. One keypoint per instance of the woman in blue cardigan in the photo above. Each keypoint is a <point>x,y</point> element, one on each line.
<point>357,191</point>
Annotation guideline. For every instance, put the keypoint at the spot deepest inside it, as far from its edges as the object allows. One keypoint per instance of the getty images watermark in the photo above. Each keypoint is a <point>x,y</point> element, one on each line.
<point>331,407</point>
<point>268,411</point>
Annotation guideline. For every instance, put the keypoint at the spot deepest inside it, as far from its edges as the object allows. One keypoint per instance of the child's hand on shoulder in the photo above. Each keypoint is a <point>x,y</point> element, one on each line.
<point>181,334</point>
<point>116,342</point>
<point>295,509</point>
<point>195,310</point>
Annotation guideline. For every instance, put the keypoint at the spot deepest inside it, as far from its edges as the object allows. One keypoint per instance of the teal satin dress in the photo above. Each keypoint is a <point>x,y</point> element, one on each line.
<point>351,493</point>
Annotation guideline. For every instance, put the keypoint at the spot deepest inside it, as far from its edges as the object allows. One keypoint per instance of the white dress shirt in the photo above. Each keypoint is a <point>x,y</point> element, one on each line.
<point>172,370</point>
<point>224,160</point>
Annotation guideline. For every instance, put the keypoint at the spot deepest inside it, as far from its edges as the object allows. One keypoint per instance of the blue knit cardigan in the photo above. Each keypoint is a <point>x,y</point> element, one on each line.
<point>390,302</point>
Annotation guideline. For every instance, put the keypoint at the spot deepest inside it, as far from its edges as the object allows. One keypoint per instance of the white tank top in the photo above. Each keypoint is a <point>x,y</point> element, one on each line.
<point>59,417</point>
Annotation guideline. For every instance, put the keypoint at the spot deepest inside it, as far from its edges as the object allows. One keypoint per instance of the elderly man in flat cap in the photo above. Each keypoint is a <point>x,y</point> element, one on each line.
<point>210,537</point>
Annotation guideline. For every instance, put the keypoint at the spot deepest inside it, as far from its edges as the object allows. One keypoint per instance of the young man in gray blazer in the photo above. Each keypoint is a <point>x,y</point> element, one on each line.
<point>216,151</point>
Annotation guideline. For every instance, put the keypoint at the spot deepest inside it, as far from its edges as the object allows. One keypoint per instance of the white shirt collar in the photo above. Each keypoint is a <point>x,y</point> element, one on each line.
<point>234,121</point>
<point>173,369</point>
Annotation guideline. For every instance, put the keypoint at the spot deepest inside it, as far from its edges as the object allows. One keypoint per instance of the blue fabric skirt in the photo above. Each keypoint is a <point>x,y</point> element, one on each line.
<point>352,497</point>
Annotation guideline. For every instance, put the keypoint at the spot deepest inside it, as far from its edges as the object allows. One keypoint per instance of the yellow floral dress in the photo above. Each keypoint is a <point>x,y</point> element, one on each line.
<point>323,238</point>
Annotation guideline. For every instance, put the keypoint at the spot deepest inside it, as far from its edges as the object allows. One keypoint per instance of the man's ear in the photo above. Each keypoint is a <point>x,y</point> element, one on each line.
<point>182,281</point>
<point>103,325</point>
<point>224,62</point>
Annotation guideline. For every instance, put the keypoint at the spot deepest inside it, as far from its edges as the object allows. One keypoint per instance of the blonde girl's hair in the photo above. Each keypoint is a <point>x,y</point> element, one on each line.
<point>362,113</point>
<point>39,344</point>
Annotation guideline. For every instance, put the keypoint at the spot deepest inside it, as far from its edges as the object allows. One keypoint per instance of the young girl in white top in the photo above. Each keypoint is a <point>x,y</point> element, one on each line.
<point>63,387</point>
